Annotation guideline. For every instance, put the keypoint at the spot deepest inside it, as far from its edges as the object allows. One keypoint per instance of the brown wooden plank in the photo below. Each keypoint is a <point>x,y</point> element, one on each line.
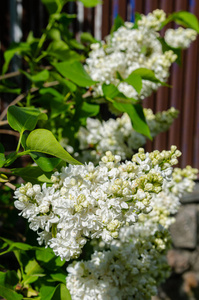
<point>122,4</point>
<point>88,20</point>
<point>106,18</point>
<point>189,109</point>
<point>177,79</point>
<point>163,93</point>
<point>139,6</point>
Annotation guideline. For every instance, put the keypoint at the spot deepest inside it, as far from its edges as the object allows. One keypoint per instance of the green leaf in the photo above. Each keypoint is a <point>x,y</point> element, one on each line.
<point>47,164</point>
<point>52,5</point>
<point>15,48</point>
<point>75,72</point>
<point>44,254</point>
<point>59,277</point>
<point>137,18</point>
<point>86,37</point>
<point>110,90</point>
<point>14,246</point>
<point>48,259</point>
<point>90,3</point>
<point>5,89</point>
<point>47,292</point>
<point>42,140</point>
<point>147,74</point>
<point>39,77</point>
<point>33,271</point>
<point>2,155</point>
<point>135,80</point>
<point>9,278</point>
<point>7,292</point>
<point>61,293</point>
<point>186,19</point>
<point>61,51</point>
<point>86,110</point>
<point>136,115</point>
<point>24,118</point>
<point>118,22</point>
<point>32,174</point>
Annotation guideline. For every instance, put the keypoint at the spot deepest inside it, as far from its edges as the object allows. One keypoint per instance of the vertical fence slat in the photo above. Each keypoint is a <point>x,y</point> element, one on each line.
<point>149,6</point>
<point>177,83</point>
<point>163,93</point>
<point>139,6</point>
<point>189,98</point>
<point>122,5</point>
<point>106,18</point>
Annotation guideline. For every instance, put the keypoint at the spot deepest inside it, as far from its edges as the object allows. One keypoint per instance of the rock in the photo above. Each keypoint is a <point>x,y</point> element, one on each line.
<point>184,230</point>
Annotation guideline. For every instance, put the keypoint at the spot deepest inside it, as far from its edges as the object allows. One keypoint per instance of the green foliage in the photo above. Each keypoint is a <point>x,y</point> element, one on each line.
<point>75,72</point>
<point>24,118</point>
<point>43,141</point>
<point>183,18</point>
<point>136,114</point>
<point>124,104</point>
<point>39,274</point>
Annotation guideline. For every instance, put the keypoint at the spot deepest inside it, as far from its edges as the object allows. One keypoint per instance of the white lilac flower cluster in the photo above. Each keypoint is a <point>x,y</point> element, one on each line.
<point>118,135</point>
<point>128,49</point>
<point>93,202</point>
<point>132,266</point>
<point>180,37</point>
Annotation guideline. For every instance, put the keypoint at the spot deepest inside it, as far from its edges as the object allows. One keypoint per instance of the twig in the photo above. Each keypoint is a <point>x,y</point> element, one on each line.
<point>3,122</point>
<point>10,75</point>
<point>10,185</point>
<point>22,96</point>
<point>11,132</point>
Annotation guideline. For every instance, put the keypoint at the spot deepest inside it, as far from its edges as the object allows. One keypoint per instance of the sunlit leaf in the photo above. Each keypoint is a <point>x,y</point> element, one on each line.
<point>91,3</point>
<point>136,115</point>
<point>135,80</point>
<point>75,72</point>
<point>42,140</point>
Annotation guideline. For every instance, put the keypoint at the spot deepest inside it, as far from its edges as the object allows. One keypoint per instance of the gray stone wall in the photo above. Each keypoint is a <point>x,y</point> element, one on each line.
<point>183,258</point>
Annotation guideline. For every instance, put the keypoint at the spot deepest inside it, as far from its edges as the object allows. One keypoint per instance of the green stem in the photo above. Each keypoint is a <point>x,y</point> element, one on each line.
<point>19,142</point>
<point>48,27</point>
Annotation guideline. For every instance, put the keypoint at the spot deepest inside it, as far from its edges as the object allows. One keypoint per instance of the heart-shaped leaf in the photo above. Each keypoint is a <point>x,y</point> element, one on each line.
<point>43,141</point>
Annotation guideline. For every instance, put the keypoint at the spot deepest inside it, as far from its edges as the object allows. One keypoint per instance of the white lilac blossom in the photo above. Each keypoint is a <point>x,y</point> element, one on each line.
<point>180,37</point>
<point>87,202</point>
<point>132,266</point>
<point>118,135</point>
<point>128,49</point>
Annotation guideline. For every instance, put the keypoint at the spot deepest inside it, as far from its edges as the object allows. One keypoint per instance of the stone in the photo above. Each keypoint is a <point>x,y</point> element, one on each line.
<point>191,197</point>
<point>184,230</point>
<point>178,260</point>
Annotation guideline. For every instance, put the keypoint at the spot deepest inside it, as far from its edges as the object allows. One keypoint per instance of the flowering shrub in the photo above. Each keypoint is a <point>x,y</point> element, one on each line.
<point>132,266</point>
<point>133,47</point>
<point>115,206</point>
<point>93,202</point>
<point>118,135</point>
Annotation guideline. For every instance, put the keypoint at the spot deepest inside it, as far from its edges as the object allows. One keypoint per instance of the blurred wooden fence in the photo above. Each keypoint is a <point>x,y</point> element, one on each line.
<point>31,15</point>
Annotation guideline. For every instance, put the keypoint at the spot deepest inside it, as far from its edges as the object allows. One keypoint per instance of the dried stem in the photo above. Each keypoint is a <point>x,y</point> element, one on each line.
<point>11,132</point>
